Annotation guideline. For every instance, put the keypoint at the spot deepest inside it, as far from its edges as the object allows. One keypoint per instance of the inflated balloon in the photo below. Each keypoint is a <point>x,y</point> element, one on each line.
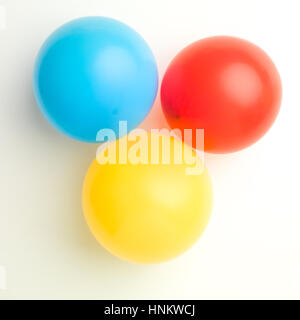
<point>227,86</point>
<point>146,212</point>
<point>92,72</point>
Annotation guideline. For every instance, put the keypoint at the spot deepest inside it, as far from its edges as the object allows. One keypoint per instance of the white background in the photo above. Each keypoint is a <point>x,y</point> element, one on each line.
<point>251,246</point>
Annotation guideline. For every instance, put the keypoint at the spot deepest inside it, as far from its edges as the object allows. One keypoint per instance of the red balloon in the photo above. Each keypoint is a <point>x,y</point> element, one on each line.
<point>227,86</point>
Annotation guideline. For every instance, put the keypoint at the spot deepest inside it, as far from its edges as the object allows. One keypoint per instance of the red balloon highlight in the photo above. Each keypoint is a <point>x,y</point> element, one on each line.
<point>227,86</point>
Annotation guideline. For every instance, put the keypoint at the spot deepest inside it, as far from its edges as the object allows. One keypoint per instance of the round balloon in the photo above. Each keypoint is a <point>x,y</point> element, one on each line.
<point>227,86</point>
<point>146,211</point>
<point>93,72</point>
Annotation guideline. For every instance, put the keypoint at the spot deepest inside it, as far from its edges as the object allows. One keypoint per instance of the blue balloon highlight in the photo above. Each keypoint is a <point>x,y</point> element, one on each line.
<point>92,73</point>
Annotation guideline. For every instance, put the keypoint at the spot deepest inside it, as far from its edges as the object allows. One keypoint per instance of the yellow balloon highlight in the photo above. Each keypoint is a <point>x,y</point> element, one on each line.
<point>143,210</point>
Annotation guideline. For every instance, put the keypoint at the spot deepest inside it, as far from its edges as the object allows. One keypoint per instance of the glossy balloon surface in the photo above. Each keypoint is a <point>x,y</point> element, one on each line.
<point>146,213</point>
<point>227,86</point>
<point>92,72</point>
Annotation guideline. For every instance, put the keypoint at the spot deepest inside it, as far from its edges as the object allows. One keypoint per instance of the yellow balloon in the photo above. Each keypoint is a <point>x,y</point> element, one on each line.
<point>145,206</point>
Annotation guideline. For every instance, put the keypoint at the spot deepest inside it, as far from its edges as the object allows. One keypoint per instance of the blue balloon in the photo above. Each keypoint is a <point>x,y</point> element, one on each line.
<point>92,73</point>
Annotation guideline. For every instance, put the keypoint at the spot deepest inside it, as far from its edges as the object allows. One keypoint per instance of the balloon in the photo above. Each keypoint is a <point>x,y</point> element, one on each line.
<point>146,212</point>
<point>92,72</point>
<point>227,86</point>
